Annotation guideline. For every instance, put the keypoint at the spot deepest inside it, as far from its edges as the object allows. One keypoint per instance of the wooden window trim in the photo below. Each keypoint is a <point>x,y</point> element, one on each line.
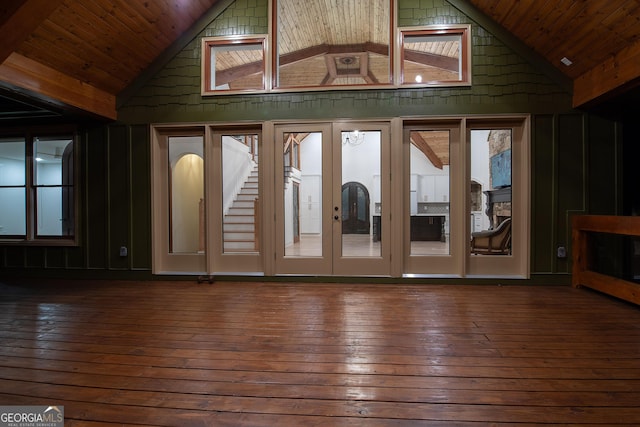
<point>435,30</point>
<point>210,42</point>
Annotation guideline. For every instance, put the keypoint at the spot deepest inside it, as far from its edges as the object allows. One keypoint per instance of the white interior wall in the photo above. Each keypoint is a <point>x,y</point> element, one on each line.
<point>480,171</point>
<point>187,172</point>
<point>311,184</point>
<point>236,168</point>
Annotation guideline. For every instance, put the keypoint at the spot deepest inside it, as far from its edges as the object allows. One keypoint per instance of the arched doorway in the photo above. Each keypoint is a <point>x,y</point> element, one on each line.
<point>355,209</point>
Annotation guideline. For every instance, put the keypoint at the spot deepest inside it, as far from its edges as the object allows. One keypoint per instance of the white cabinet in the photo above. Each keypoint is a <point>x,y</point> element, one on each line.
<point>427,188</point>
<point>434,189</point>
<point>441,188</point>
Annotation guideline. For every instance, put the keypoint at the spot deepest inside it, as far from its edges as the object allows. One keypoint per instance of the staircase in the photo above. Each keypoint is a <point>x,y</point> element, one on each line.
<point>239,224</point>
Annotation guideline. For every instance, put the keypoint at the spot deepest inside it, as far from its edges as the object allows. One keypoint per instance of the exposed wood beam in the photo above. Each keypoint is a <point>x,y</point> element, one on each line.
<point>612,75</point>
<point>18,19</point>
<point>226,76</point>
<point>324,49</point>
<point>327,80</point>
<point>423,146</point>
<point>438,61</point>
<point>45,83</point>
<point>303,54</point>
<point>231,74</point>
<point>371,79</point>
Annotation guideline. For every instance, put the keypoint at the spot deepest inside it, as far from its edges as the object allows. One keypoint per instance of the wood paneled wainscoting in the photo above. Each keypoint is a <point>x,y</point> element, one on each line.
<point>176,353</point>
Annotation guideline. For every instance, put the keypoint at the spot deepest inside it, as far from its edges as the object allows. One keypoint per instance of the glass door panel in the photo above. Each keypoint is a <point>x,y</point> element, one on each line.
<point>240,193</point>
<point>178,218</point>
<point>186,191</point>
<point>303,201</point>
<point>329,192</point>
<point>429,192</point>
<point>234,201</point>
<point>302,193</point>
<point>361,202</point>
<point>433,200</point>
<point>491,192</point>
<point>498,210</point>
<point>361,226</point>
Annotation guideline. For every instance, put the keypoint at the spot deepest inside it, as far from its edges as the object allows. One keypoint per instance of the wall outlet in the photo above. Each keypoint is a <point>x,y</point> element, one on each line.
<point>562,252</point>
<point>123,251</point>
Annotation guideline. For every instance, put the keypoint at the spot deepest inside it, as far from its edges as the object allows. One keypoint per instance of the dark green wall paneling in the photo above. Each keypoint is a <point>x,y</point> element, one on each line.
<point>571,187</point>
<point>119,196</point>
<point>35,257</point>
<point>603,167</point>
<point>75,258</point>
<point>543,212</point>
<point>119,201</point>
<point>96,195</point>
<point>115,208</point>
<point>15,257</point>
<point>54,257</point>
<point>140,242</point>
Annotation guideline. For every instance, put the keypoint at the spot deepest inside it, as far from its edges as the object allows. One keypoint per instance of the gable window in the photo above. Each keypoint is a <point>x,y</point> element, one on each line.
<point>332,44</point>
<point>435,56</point>
<point>319,45</point>
<point>37,197</point>
<point>233,64</point>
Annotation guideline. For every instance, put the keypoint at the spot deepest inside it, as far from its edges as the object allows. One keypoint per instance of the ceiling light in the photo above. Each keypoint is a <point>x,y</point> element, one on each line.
<point>352,138</point>
<point>566,61</point>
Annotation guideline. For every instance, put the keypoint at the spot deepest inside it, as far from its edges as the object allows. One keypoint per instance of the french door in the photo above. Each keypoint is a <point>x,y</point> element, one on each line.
<point>332,184</point>
<point>234,205</point>
<point>448,197</point>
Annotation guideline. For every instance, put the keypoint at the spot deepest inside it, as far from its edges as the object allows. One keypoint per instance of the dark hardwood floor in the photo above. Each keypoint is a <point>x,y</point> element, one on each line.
<point>314,354</point>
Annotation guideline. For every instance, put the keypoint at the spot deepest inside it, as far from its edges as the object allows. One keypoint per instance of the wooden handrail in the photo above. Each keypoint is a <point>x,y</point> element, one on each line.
<point>582,225</point>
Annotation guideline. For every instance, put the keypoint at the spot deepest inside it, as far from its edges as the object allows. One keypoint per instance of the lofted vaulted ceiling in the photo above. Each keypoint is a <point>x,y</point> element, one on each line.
<point>79,55</point>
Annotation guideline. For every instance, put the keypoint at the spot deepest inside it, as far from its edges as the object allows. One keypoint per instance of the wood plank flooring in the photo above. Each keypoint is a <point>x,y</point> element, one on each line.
<point>177,353</point>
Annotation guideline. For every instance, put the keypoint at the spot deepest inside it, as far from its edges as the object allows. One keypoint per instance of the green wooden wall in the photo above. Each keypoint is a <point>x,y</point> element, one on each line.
<point>574,156</point>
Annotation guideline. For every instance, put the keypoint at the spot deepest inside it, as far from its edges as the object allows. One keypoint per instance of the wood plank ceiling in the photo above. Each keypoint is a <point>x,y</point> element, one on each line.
<point>80,54</point>
<point>601,38</point>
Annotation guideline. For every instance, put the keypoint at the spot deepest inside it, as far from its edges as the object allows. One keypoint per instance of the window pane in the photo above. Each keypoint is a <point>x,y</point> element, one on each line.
<point>361,193</point>
<point>324,43</point>
<point>12,212</point>
<point>49,202</point>
<point>302,160</point>
<point>238,66</point>
<point>12,187</point>
<point>53,175</point>
<point>491,191</point>
<point>187,194</point>
<point>429,192</point>
<point>240,191</point>
<point>12,162</point>
<point>435,56</point>
<point>53,160</point>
